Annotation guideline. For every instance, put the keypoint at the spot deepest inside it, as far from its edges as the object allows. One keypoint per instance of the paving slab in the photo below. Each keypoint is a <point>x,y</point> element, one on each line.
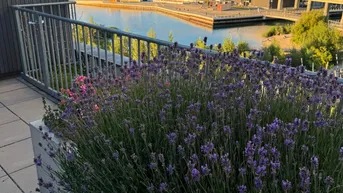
<point>7,116</point>
<point>10,85</point>
<point>17,156</point>
<point>31,110</point>
<point>17,96</point>
<point>26,179</point>
<point>13,132</point>
<point>2,173</point>
<point>8,186</point>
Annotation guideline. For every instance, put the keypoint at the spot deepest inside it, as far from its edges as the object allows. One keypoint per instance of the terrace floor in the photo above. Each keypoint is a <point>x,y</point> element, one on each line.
<point>20,103</point>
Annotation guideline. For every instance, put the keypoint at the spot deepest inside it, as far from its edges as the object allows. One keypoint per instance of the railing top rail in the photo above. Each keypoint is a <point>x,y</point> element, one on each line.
<point>43,4</point>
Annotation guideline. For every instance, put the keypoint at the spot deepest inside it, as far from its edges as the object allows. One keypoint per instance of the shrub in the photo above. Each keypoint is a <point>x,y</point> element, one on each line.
<point>191,122</point>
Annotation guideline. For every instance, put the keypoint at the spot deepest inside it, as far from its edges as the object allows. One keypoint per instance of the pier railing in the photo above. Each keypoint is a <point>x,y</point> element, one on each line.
<point>55,47</point>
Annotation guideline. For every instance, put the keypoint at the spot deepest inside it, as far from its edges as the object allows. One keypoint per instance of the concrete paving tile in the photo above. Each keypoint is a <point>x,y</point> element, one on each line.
<point>10,84</point>
<point>1,105</point>
<point>31,110</point>
<point>26,179</point>
<point>7,116</point>
<point>16,156</point>
<point>2,173</point>
<point>8,186</point>
<point>17,96</point>
<point>13,132</point>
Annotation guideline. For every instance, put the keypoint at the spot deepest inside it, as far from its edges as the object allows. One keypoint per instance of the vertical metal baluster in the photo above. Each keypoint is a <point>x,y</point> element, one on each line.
<point>23,21</point>
<point>91,40</point>
<point>139,52</point>
<point>130,50</point>
<point>158,50</point>
<point>68,53</point>
<point>114,56</point>
<point>51,32</point>
<point>43,58</point>
<point>47,46</point>
<point>59,10</point>
<point>63,54</point>
<point>98,45</point>
<point>34,50</point>
<point>149,51</point>
<point>74,11</point>
<point>85,55</point>
<point>21,42</point>
<point>106,60</point>
<point>121,51</point>
<point>57,51</point>
<point>78,50</point>
<point>30,46</point>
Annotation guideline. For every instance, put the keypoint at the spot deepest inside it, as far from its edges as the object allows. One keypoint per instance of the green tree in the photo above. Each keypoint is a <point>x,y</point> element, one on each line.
<point>199,43</point>
<point>171,37</point>
<point>313,33</point>
<point>242,46</point>
<point>272,50</point>
<point>228,45</point>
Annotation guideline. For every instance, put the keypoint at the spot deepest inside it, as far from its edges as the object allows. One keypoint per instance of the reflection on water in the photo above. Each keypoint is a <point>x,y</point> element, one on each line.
<point>140,22</point>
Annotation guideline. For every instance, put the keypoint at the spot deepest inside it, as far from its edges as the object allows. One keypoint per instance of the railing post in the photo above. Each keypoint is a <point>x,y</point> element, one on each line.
<point>21,44</point>
<point>42,56</point>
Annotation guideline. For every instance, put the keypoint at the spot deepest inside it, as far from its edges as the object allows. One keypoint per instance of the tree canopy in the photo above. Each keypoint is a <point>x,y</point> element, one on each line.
<point>313,33</point>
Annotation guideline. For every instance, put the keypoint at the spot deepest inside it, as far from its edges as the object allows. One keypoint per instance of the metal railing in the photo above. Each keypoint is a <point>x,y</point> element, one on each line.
<point>55,47</point>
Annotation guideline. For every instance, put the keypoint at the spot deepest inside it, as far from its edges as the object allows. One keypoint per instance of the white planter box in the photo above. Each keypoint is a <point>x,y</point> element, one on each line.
<point>38,148</point>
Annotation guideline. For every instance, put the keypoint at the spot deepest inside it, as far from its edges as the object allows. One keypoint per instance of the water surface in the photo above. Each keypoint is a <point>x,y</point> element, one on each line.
<point>140,22</point>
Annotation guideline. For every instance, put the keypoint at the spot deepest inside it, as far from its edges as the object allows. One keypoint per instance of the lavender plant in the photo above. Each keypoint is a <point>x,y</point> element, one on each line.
<point>193,122</point>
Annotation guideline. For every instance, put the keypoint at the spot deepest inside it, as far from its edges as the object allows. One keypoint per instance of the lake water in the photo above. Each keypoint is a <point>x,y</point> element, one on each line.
<point>140,22</point>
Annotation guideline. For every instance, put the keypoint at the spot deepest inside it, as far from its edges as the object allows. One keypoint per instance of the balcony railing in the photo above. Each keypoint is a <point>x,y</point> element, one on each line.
<point>55,47</point>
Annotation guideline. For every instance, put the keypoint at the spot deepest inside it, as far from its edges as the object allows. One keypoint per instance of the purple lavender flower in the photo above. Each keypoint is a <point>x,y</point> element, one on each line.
<point>199,128</point>
<point>190,138</point>
<point>205,170</point>
<point>163,187</point>
<point>210,106</point>
<point>213,157</point>
<point>152,165</point>
<point>258,183</point>
<point>172,137</point>
<point>194,158</point>
<point>286,185</point>
<point>262,151</point>
<point>289,143</point>
<point>195,174</point>
<point>180,149</point>
<point>162,115</point>
<point>227,130</point>
<point>305,126</point>
<point>305,179</point>
<point>38,161</point>
<point>206,149</point>
<point>242,189</point>
<point>242,171</point>
<point>132,131</point>
<point>261,170</point>
<point>115,155</point>
<point>249,149</point>
<point>227,169</point>
<point>170,169</point>
<point>315,162</point>
<point>70,156</point>
<point>329,180</point>
<point>341,154</point>
<point>150,188</point>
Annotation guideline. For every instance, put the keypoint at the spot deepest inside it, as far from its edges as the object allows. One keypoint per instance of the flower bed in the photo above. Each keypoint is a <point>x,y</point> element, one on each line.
<point>191,122</point>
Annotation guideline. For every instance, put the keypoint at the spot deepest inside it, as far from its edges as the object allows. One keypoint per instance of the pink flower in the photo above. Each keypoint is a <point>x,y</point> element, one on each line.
<point>83,88</point>
<point>96,107</point>
<point>81,79</point>
<point>167,84</point>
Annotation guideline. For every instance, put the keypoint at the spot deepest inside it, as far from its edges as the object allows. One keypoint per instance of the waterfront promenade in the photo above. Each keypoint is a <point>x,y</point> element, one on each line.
<point>209,17</point>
